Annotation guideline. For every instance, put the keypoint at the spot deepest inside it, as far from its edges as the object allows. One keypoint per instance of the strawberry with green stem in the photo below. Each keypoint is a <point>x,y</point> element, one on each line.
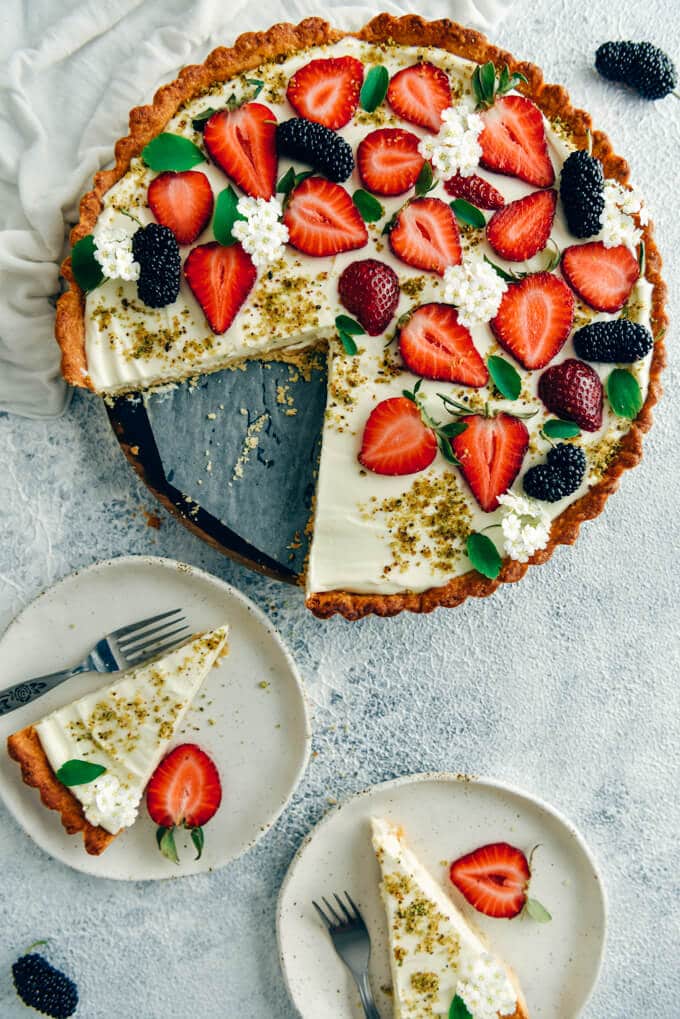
<point>184,792</point>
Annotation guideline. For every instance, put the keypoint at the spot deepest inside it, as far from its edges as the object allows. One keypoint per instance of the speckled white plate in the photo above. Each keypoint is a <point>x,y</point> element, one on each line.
<point>445,816</point>
<point>259,735</point>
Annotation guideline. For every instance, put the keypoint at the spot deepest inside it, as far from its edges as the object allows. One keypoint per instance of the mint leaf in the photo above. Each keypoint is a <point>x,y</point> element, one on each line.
<point>86,269</point>
<point>347,342</point>
<point>537,911</point>
<point>374,88</point>
<point>468,213</point>
<point>369,207</point>
<point>259,85</point>
<point>348,325</point>
<point>287,182</point>
<point>198,123</point>
<point>556,429</point>
<point>483,555</point>
<point>198,839</point>
<point>453,429</point>
<point>445,447</point>
<point>171,152</point>
<point>165,837</point>
<point>506,379</point>
<point>459,1009</point>
<point>623,391</point>
<point>507,276</point>
<point>75,772</point>
<point>425,181</point>
<point>226,214</point>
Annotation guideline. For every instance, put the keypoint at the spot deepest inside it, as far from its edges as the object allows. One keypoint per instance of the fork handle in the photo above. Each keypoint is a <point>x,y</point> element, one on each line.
<point>20,694</point>
<point>366,995</point>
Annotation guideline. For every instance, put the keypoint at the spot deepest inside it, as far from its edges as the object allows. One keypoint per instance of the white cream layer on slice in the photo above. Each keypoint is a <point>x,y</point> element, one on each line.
<point>127,727</point>
<point>434,953</point>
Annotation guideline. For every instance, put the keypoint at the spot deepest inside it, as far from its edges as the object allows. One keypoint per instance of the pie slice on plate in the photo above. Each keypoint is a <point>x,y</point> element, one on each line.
<point>435,955</point>
<point>126,727</point>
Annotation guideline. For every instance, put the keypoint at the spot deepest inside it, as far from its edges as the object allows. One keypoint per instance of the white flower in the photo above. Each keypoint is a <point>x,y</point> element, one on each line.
<point>111,804</point>
<point>456,148</point>
<point>261,233</point>
<point>486,989</point>
<point>113,251</point>
<point>475,288</point>
<point>525,525</point>
<point>620,205</point>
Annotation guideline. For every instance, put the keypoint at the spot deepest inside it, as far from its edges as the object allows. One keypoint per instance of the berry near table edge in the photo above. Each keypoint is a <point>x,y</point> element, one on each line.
<point>642,66</point>
<point>43,987</point>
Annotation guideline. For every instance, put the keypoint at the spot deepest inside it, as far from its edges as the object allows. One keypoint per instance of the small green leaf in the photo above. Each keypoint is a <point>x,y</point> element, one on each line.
<point>391,223</point>
<point>198,839</point>
<point>374,88</point>
<point>287,182</point>
<point>623,391</point>
<point>506,378</point>
<point>556,429</point>
<point>198,123</point>
<point>537,911</point>
<point>226,214</point>
<point>446,448</point>
<point>369,207</point>
<point>425,181</point>
<point>347,342</point>
<point>487,78</point>
<point>86,269</point>
<point>507,276</point>
<point>348,325</point>
<point>75,772</point>
<point>468,213</point>
<point>453,429</point>
<point>259,85</point>
<point>165,837</point>
<point>171,152</point>
<point>459,1009</point>
<point>483,555</point>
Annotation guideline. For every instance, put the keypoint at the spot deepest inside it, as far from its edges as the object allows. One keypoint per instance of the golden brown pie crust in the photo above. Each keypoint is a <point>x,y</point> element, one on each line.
<point>254,48</point>
<point>25,748</point>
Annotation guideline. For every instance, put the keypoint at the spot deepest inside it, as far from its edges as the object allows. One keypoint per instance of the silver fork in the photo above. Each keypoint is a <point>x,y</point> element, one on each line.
<point>352,943</point>
<point>127,646</point>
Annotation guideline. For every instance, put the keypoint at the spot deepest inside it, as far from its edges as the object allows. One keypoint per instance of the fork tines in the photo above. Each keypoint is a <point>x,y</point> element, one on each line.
<point>352,916</point>
<point>142,639</point>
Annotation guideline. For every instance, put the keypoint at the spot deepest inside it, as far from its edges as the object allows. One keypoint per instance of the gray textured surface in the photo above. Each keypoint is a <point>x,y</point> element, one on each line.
<point>565,684</point>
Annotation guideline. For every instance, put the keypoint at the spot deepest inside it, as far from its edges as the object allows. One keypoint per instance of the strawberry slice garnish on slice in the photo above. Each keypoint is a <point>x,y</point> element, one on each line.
<point>521,229</point>
<point>389,161</point>
<point>602,277</point>
<point>396,440</point>
<point>220,279</point>
<point>435,345</point>
<point>490,453</point>
<point>327,90</point>
<point>513,141</point>
<point>494,879</point>
<point>474,189</point>
<point>184,792</point>
<point>425,235</point>
<point>420,94</point>
<point>243,143</point>
<point>534,319</point>
<point>183,202</point>
<point>322,219</point>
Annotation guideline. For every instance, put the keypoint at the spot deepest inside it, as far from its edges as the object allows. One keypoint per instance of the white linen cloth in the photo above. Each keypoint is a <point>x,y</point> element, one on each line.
<point>70,71</point>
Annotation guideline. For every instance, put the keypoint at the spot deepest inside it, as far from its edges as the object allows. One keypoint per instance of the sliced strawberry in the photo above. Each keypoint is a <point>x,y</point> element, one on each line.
<point>327,90</point>
<point>493,879</point>
<point>184,791</point>
<point>513,141</point>
<point>243,143</point>
<point>220,279</point>
<point>389,161</point>
<point>602,277</point>
<point>425,235</point>
<point>322,219</point>
<point>395,440</point>
<point>534,319</point>
<point>476,190</point>
<point>420,94</point>
<point>521,229</point>
<point>183,202</point>
<point>435,345</point>
<point>491,451</point>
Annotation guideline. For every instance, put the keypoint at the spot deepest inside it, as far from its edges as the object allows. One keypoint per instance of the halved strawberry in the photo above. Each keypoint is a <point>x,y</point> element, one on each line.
<point>220,279</point>
<point>183,202</point>
<point>184,791</point>
<point>327,90</point>
<point>602,277</point>
<point>474,189</point>
<point>243,143</point>
<point>420,94</point>
<point>434,344</point>
<point>425,235</point>
<point>521,229</point>
<point>493,879</point>
<point>490,451</point>
<point>389,161</point>
<point>322,219</point>
<point>534,319</point>
<point>513,141</point>
<point>395,440</point>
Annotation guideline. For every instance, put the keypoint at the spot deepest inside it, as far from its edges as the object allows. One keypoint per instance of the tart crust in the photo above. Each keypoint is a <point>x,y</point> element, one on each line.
<point>254,48</point>
<point>25,748</point>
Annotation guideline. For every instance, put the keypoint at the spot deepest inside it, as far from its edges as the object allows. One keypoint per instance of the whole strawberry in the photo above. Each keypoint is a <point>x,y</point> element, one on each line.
<point>573,390</point>
<point>369,289</point>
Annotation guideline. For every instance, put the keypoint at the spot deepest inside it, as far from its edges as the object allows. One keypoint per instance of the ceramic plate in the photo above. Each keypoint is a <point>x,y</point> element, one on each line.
<point>445,816</point>
<point>253,719</point>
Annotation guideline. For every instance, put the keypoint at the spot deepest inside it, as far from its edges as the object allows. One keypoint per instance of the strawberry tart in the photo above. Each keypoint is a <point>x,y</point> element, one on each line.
<point>448,229</point>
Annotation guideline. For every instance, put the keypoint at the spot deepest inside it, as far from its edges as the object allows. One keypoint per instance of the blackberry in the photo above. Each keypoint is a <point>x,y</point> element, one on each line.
<point>618,341</point>
<point>559,477</point>
<point>317,145</point>
<point>155,248</point>
<point>644,67</point>
<point>44,988</point>
<point>570,461</point>
<point>582,193</point>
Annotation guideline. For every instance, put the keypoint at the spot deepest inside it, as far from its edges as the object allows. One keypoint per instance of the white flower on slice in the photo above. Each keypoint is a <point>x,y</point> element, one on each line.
<point>475,288</point>
<point>112,802</point>
<point>620,205</point>
<point>113,251</point>
<point>455,149</point>
<point>525,525</point>
<point>485,988</point>
<point>261,233</point>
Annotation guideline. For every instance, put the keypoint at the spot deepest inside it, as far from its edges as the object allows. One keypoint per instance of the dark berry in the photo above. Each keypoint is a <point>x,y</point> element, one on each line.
<point>44,988</point>
<point>155,248</point>
<point>582,193</point>
<point>316,145</point>
<point>570,461</point>
<point>644,67</point>
<point>618,341</point>
<point>559,477</point>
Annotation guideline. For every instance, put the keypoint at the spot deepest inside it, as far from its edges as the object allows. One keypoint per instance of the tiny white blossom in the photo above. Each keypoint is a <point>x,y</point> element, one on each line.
<point>486,988</point>
<point>261,233</point>
<point>113,251</point>
<point>475,288</point>
<point>620,205</point>
<point>525,525</point>
<point>456,148</point>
